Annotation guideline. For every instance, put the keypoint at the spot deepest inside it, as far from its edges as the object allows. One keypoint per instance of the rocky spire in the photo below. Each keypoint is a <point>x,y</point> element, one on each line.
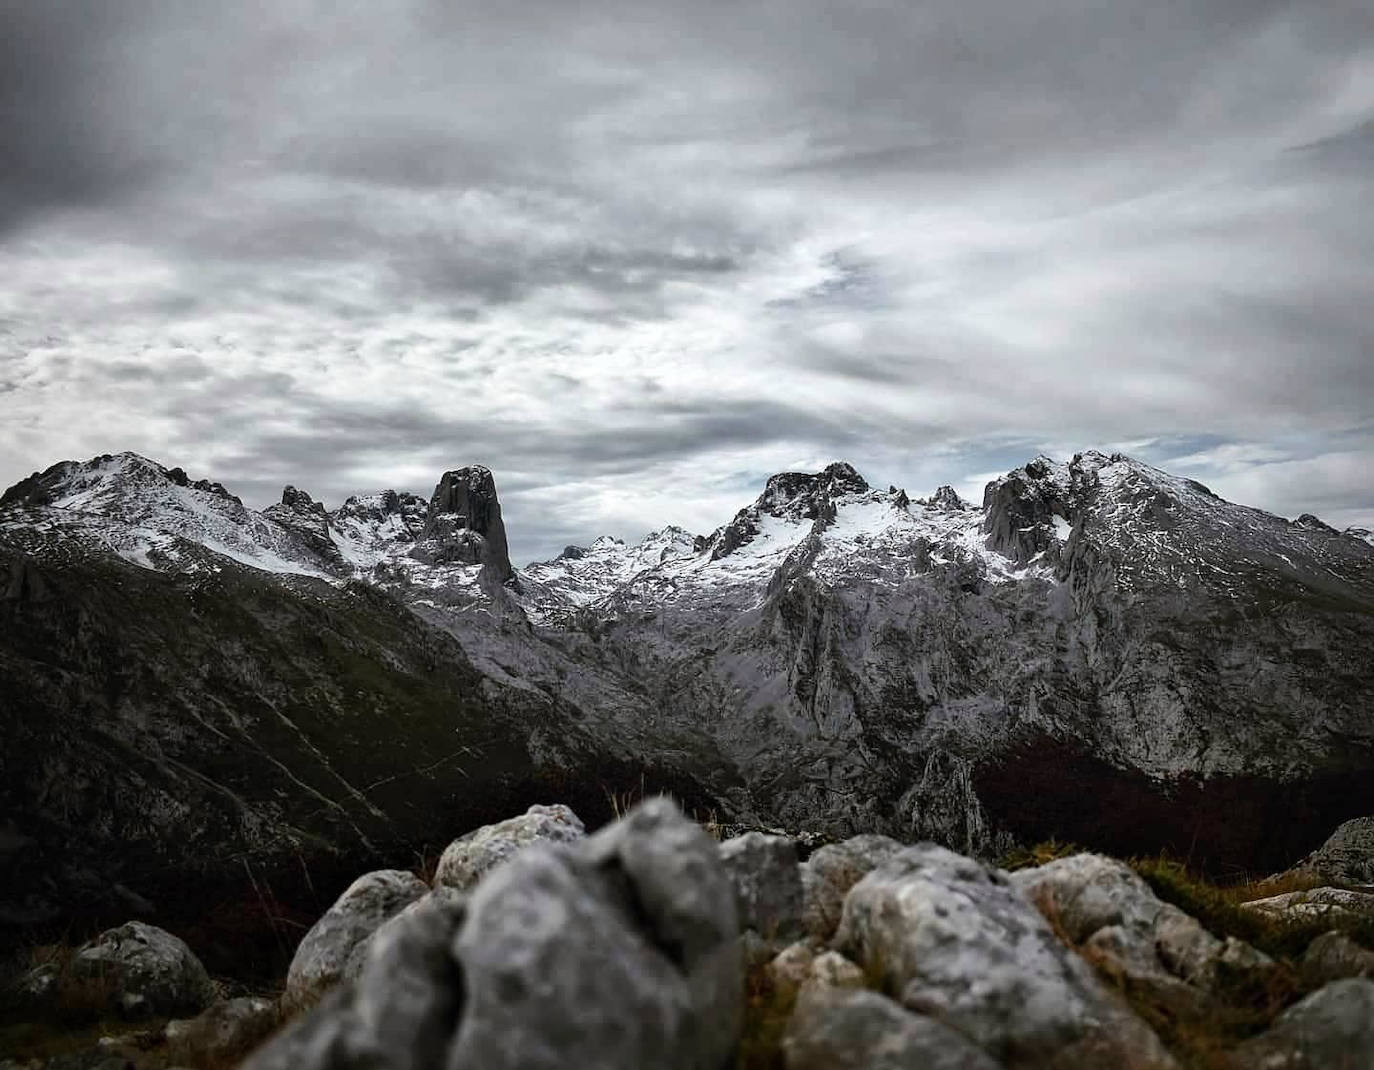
<point>464,524</point>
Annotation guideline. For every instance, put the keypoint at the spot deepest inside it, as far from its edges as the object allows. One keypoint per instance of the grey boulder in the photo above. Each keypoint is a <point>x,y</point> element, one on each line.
<point>467,858</point>
<point>1332,1029</point>
<point>862,1030</point>
<point>768,886</point>
<point>616,953</point>
<point>334,948</point>
<point>1105,909</point>
<point>1347,856</point>
<point>831,871</point>
<point>1332,903</point>
<point>136,970</point>
<point>398,1014</point>
<point>954,940</point>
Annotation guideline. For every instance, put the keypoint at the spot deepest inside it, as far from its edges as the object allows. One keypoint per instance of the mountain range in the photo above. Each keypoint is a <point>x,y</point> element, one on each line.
<point>1099,651</point>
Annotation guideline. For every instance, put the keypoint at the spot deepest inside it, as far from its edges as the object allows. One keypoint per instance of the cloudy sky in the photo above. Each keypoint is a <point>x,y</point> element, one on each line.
<point>637,256</point>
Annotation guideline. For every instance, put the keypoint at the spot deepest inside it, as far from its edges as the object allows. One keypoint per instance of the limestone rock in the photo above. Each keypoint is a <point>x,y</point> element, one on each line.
<point>1332,1029</point>
<point>799,970</point>
<point>223,1033</point>
<point>767,882</point>
<point>955,940</point>
<point>467,858</point>
<point>1103,907</point>
<point>400,1012</point>
<point>1333,956</point>
<point>617,952</point>
<point>862,1030</point>
<point>1347,857</point>
<point>831,871</point>
<point>334,948</point>
<point>136,970</point>
<point>1316,903</point>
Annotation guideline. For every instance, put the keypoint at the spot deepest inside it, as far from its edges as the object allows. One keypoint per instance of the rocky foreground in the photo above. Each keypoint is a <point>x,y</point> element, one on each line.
<point>650,944</point>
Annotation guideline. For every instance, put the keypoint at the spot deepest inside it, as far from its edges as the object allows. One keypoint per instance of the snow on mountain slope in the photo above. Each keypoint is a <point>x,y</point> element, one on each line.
<point>374,528</point>
<point>158,518</point>
<point>582,574</point>
<point>1159,529</point>
<point>137,508</point>
<point>829,524</point>
<point>1153,528</point>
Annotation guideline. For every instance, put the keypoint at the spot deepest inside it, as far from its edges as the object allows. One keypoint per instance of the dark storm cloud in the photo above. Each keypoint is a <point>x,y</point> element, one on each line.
<point>609,247</point>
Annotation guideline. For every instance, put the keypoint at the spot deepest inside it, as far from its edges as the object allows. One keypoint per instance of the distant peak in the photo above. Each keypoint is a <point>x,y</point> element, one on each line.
<point>1315,523</point>
<point>105,473</point>
<point>298,501</point>
<point>947,498</point>
<point>810,489</point>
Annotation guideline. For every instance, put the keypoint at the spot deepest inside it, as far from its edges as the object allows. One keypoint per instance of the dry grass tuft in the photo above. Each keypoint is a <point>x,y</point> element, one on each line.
<point>766,1011</point>
<point>1218,908</point>
<point>1039,854</point>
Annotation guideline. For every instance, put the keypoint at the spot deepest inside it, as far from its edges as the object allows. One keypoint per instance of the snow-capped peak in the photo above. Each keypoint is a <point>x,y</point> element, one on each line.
<point>139,507</point>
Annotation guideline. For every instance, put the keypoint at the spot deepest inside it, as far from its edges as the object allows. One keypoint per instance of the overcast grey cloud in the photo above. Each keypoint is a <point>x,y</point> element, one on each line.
<point>635,257</point>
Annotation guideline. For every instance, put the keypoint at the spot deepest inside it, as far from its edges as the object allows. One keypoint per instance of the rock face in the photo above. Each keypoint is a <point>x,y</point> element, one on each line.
<point>1347,857</point>
<point>908,666</point>
<point>469,857</point>
<point>1332,1029</point>
<point>307,519</point>
<point>618,951</point>
<point>796,496</point>
<point>464,523</point>
<point>161,727</point>
<point>837,658</point>
<point>136,970</point>
<point>927,921</point>
<point>334,948</point>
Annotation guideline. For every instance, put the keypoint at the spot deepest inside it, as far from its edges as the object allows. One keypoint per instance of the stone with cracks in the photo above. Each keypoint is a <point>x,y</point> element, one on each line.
<point>956,941</point>
<point>1103,907</point>
<point>799,969</point>
<point>467,858</point>
<point>1331,903</point>
<point>223,1033</point>
<point>617,952</point>
<point>1347,856</point>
